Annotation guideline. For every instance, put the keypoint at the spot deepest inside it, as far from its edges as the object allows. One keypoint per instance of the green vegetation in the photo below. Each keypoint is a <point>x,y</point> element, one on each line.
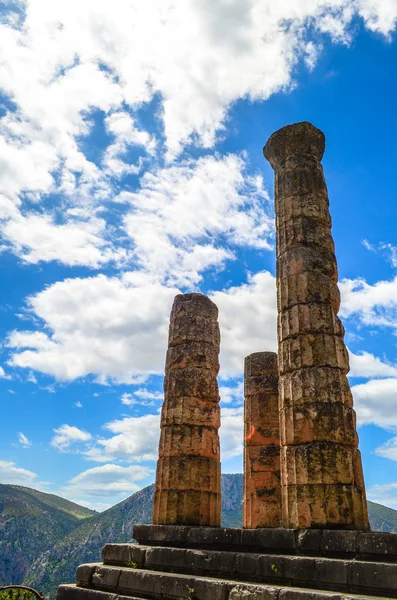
<point>32,522</point>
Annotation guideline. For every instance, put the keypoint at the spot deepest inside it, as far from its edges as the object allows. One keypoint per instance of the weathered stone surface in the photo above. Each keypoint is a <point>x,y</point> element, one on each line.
<point>318,422</point>
<point>187,489</point>
<point>319,384</point>
<point>262,492</point>
<point>321,474</point>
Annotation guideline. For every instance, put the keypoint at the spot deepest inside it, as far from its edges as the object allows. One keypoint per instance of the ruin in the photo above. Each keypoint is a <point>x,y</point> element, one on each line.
<point>306,533</point>
<point>262,491</point>
<point>188,477</point>
<point>321,474</point>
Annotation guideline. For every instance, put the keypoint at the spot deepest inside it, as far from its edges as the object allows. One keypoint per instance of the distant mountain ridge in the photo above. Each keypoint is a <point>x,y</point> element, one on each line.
<point>31,522</point>
<point>83,542</point>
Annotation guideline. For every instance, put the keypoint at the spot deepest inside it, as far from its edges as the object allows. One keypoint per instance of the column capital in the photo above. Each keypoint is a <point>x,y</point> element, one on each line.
<point>299,138</point>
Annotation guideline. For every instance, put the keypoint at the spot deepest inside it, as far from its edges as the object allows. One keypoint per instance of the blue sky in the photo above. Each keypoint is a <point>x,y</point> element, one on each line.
<point>131,169</point>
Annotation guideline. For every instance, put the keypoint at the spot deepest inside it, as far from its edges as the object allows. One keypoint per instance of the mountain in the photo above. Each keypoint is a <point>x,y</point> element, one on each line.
<point>84,544</point>
<point>30,523</point>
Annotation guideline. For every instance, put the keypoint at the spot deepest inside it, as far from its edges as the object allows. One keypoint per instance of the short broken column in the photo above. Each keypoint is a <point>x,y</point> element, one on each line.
<point>188,478</point>
<point>262,492</point>
<point>321,473</point>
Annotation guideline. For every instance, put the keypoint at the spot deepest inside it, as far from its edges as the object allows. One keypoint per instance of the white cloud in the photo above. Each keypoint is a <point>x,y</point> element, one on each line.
<point>367,365</point>
<point>178,212</point>
<point>37,238</point>
<point>67,435</point>
<point>371,304</point>
<point>68,68</point>
<point>117,330</point>
<point>388,449</point>
<point>107,480</point>
<point>11,474</point>
<point>376,402</point>
<point>142,396</point>
<point>135,439</point>
<point>247,317</point>
<point>3,374</point>
<point>231,432</point>
<point>78,404</point>
<point>232,394</point>
<point>105,326</point>
<point>23,440</point>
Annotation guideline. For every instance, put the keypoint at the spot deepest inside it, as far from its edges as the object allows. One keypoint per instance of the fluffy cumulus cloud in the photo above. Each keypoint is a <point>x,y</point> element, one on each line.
<point>10,473</point>
<point>71,70</point>
<point>178,211</point>
<point>67,435</point>
<point>107,481</point>
<point>117,328</point>
<point>371,304</point>
<point>375,402</point>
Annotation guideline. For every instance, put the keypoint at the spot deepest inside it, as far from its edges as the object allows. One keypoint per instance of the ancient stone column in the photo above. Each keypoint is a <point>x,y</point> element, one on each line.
<point>321,473</point>
<point>188,478</point>
<point>262,492</point>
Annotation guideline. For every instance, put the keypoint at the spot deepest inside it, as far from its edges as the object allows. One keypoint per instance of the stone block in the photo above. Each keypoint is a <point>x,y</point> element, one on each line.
<point>253,592</point>
<point>381,577</point>
<point>247,564</point>
<point>308,541</point>
<point>307,288</point>
<point>317,463</point>
<point>320,384</point>
<point>196,411</point>
<point>303,231</point>
<point>106,578</point>
<point>173,586</point>
<point>318,422</point>
<point>199,354</point>
<point>210,589</point>
<point>133,581</point>
<point>84,574</point>
<point>273,567</point>
<point>192,473</point>
<point>191,382</point>
<point>189,440</point>
<point>194,329</point>
<point>377,544</point>
<point>124,554</point>
<point>307,260</point>
<point>313,350</point>
<point>188,507</point>
<point>308,318</point>
<point>323,506</point>
<point>305,594</point>
<point>169,558</point>
<point>339,542</point>
<point>192,305</point>
<point>198,561</point>
<point>331,572</point>
<point>71,592</point>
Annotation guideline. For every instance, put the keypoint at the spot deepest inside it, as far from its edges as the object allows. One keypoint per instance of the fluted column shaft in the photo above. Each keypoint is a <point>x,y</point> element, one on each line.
<point>188,480</point>
<point>262,491</point>
<point>321,473</point>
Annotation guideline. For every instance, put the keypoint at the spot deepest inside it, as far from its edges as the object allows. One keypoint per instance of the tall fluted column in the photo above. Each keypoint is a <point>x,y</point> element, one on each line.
<point>321,473</point>
<point>188,478</point>
<point>262,492</point>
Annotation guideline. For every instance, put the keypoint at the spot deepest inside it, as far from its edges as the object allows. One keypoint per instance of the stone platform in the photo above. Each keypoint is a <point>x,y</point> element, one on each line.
<point>204,563</point>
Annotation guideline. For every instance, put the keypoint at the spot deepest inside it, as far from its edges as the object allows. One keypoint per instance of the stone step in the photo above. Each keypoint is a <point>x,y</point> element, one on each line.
<point>228,591</point>
<point>312,542</point>
<point>156,579</point>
